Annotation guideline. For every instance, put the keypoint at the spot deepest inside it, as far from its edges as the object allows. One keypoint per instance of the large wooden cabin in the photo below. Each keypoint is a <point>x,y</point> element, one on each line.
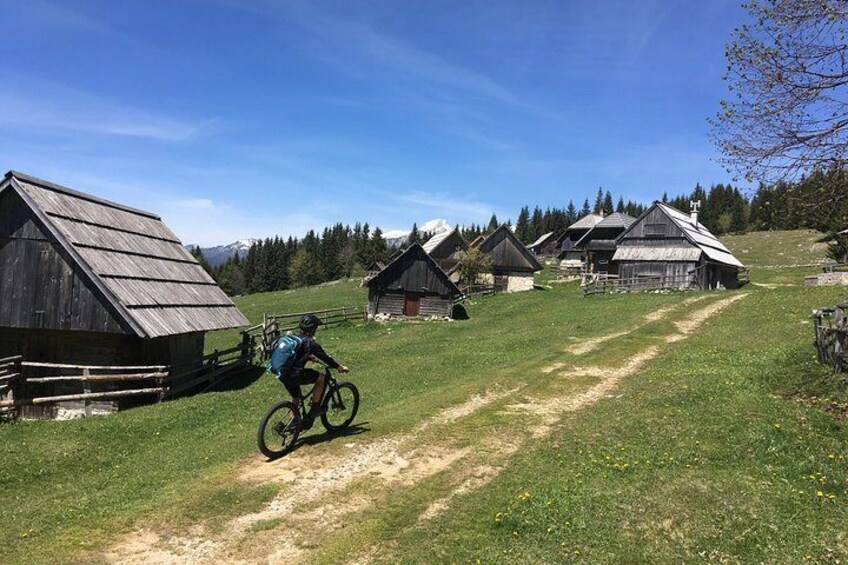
<point>513,265</point>
<point>412,285</point>
<point>667,245</point>
<point>89,282</point>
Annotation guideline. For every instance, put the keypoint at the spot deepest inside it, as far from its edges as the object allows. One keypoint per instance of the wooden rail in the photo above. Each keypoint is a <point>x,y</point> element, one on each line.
<point>476,290</point>
<point>275,325</point>
<point>830,326</point>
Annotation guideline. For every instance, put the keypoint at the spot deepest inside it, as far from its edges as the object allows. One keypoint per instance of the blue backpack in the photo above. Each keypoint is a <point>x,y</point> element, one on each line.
<point>284,353</point>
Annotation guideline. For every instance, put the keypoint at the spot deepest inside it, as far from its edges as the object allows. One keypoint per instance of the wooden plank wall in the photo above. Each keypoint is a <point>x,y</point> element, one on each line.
<point>39,287</point>
<point>669,270</point>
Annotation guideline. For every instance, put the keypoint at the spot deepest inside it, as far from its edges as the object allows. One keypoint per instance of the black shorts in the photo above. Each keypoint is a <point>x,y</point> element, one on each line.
<point>294,380</point>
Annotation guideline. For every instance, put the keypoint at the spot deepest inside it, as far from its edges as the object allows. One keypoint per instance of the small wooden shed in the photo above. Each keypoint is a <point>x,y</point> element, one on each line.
<point>667,245</point>
<point>513,265</point>
<point>599,243</point>
<point>448,249</point>
<point>90,282</point>
<point>412,285</point>
<point>569,253</point>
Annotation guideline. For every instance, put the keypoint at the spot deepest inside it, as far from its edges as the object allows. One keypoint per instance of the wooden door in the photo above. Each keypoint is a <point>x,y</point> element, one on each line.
<point>412,304</point>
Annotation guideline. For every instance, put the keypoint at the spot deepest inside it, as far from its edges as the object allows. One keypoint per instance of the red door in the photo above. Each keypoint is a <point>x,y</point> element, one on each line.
<point>410,307</point>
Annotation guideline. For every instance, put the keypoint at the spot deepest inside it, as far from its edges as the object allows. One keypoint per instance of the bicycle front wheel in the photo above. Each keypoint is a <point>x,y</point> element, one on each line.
<point>279,429</point>
<point>341,405</point>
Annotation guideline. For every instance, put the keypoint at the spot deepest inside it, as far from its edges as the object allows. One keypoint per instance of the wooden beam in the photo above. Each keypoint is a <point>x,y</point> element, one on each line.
<point>14,358</point>
<point>96,378</point>
<point>88,396</point>
<point>9,377</point>
<point>94,367</point>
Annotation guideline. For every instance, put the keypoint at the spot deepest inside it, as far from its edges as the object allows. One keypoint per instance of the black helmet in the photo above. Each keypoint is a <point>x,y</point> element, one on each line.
<point>309,323</point>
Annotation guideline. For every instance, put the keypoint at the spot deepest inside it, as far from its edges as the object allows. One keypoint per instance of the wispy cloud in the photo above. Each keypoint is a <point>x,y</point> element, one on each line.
<point>51,107</point>
<point>53,17</point>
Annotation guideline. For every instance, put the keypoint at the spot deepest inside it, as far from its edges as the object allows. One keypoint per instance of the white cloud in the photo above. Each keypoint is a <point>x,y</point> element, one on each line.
<point>51,107</point>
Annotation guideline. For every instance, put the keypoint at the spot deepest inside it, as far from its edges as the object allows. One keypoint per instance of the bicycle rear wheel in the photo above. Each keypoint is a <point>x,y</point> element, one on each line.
<point>279,429</point>
<point>341,405</point>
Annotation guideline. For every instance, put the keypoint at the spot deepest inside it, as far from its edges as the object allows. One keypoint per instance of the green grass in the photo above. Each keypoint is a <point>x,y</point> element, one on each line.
<point>719,435</point>
<point>707,455</point>
<point>67,487</point>
<point>777,248</point>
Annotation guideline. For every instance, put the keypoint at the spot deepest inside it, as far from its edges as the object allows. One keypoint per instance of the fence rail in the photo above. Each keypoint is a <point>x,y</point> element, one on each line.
<point>476,290</point>
<point>276,324</point>
<point>831,335</point>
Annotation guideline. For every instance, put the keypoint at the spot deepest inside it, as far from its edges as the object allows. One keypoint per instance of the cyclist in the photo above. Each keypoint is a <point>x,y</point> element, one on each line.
<point>298,374</point>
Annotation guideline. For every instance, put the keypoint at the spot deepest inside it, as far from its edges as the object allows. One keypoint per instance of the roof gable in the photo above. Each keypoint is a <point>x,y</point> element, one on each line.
<point>445,244</point>
<point>415,271</point>
<point>697,234</point>
<point>136,263</point>
<point>607,229</point>
<point>542,240</point>
<point>507,253</point>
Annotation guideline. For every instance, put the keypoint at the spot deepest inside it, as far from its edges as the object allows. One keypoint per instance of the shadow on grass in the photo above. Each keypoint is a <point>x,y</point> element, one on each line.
<point>326,437</point>
<point>240,380</point>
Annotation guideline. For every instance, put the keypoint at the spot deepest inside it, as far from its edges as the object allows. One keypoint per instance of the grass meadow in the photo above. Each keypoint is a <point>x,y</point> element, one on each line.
<point>730,445</point>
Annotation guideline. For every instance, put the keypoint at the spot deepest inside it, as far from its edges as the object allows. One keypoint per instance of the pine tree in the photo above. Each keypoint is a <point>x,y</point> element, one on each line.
<point>586,209</point>
<point>305,269</point>
<point>599,201</point>
<point>608,205</point>
<point>198,255</point>
<point>620,206</point>
<point>493,223</point>
<point>414,235</point>
<point>522,226</point>
<point>570,214</point>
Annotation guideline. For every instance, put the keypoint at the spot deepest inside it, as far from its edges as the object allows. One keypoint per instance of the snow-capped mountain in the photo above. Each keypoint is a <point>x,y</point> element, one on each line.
<point>219,254</point>
<point>396,238</point>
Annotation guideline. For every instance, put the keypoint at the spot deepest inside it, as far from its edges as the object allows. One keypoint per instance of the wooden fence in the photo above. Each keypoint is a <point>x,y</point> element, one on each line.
<point>473,290</point>
<point>831,335</point>
<point>35,389</point>
<point>601,283</point>
<point>276,324</point>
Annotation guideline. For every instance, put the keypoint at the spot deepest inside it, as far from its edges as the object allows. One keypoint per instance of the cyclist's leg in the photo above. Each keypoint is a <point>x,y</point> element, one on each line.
<point>293,388</point>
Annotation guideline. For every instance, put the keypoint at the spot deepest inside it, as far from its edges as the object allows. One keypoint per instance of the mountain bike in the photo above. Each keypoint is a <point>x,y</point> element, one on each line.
<point>284,421</point>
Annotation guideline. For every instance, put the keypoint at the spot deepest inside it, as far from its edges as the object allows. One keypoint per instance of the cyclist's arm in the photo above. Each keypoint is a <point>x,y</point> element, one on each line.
<point>323,356</point>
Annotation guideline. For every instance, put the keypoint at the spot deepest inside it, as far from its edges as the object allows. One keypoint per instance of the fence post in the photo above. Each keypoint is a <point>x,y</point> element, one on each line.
<point>86,389</point>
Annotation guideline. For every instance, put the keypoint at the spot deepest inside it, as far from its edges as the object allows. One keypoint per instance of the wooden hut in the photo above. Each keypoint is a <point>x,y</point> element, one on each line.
<point>668,248</point>
<point>513,266</point>
<point>570,255</point>
<point>545,246</point>
<point>412,285</point>
<point>448,249</point>
<point>598,244</point>
<point>93,283</point>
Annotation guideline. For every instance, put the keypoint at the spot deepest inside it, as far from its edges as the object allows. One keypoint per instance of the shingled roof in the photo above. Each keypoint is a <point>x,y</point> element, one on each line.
<point>137,265</point>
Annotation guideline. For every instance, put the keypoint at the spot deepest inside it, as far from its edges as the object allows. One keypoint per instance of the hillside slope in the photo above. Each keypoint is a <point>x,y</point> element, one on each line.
<point>641,427</point>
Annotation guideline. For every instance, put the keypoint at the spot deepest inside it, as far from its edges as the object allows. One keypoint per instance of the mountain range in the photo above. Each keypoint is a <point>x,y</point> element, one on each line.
<point>219,254</point>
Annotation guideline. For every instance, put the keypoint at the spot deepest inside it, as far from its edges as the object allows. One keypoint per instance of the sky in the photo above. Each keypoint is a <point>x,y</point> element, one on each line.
<point>236,119</point>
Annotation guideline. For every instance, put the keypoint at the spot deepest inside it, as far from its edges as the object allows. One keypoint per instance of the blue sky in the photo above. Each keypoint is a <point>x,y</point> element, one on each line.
<point>236,119</point>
